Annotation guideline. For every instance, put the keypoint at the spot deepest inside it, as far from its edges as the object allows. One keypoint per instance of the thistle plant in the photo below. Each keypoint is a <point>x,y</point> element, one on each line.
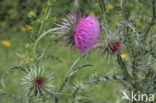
<point>79,31</point>
<point>127,44</point>
<point>137,74</point>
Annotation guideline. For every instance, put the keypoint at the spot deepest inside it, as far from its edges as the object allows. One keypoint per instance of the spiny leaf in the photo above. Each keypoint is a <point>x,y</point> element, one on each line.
<point>79,68</point>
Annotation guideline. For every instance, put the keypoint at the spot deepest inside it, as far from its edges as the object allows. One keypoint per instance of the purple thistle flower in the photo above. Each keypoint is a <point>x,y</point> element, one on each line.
<point>81,32</point>
<point>86,33</point>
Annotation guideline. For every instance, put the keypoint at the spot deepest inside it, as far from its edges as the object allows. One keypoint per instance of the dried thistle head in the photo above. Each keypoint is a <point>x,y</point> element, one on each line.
<point>36,82</point>
<point>81,32</point>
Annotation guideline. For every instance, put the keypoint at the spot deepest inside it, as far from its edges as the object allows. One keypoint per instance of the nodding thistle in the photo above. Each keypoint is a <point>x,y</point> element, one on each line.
<point>36,82</point>
<point>86,33</point>
<point>79,31</point>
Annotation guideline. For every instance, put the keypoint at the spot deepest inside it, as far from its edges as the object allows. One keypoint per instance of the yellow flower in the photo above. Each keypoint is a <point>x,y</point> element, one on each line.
<point>5,43</point>
<point>123,55</point>
<point>26,57</point>
<point>109,6</point>
<point>154,27</point>
<point>27,27</point>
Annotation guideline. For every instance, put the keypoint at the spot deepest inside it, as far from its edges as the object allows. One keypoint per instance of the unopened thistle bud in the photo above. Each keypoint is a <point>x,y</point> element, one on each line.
<point>114,47</point>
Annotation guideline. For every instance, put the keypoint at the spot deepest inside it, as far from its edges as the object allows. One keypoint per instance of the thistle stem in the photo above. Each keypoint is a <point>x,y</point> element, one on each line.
<point>45,17</point>
<point>124,69</point>
<point>123,66</point>
<point>40,37</point>
<point>70,70</point>
<point>74,94</point>
<point>28,100</point>
<point>67,74</point>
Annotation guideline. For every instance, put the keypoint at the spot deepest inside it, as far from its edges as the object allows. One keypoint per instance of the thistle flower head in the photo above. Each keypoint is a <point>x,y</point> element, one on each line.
<point>86,33</point>
<point>36,82</point>
<point>81,32</point>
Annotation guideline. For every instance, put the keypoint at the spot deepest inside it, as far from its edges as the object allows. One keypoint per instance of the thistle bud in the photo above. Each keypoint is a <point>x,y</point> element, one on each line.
<point>114,47</point>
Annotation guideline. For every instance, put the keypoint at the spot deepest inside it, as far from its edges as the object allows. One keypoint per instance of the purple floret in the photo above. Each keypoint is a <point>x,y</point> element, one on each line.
<point>86,33</point>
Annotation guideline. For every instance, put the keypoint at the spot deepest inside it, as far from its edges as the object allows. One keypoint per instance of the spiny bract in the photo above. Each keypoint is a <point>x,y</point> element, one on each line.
<point>81,32</point>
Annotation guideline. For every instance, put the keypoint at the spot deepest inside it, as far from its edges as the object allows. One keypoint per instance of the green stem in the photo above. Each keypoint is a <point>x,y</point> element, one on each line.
<point>42,36</point>
<point>124,69</point>
<point>69,71</point>
<point>28,100</point>
<point>75,94</point>
<point>123,66</point>
<point>45,17</point>
<point>67,75</point>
